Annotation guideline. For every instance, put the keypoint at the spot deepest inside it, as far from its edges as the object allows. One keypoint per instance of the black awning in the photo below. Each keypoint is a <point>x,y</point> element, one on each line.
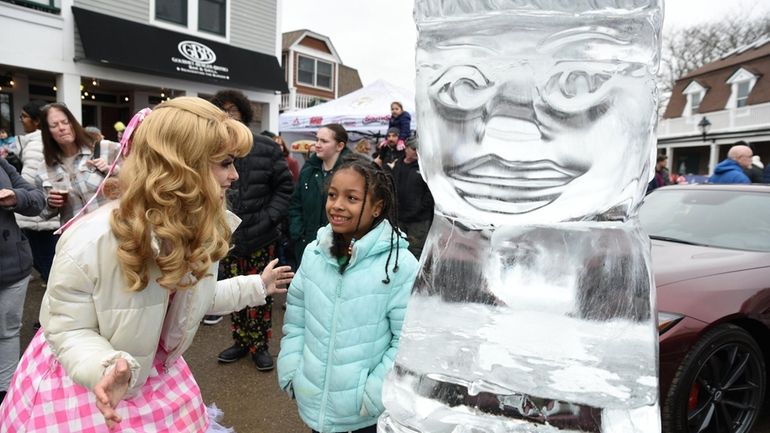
<point>130,45</point>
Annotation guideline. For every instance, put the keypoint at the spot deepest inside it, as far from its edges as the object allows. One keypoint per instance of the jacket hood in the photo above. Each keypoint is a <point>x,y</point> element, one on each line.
<point>374,242</point>
<point>726,166</point>
<point>35,135</point>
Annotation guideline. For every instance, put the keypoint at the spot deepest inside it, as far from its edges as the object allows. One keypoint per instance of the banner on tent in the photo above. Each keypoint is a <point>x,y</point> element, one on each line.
<point>308,123</point>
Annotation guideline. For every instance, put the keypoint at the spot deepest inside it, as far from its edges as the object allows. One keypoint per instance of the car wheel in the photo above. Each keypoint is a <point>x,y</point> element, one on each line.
<point>719,387</point>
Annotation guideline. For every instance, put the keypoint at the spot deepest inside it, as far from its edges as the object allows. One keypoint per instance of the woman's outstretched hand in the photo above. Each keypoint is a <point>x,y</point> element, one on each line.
<point>273,277</point>
<point>110,391</point>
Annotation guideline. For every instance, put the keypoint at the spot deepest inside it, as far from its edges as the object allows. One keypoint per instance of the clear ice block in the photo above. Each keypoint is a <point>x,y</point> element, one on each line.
<point>534,307</point>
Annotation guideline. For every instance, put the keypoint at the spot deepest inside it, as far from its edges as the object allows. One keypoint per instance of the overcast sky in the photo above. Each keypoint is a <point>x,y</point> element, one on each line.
<point>377,37</point>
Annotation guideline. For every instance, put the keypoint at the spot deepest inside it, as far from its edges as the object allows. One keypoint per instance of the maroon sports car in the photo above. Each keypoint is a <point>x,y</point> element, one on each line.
<point>711,259</point>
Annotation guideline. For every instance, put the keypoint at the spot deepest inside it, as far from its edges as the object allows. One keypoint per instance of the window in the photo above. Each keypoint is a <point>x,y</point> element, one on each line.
<point>212,16</point>
<point>173,11</point>
<point>324,75</point>
<point>53,6</point>
<point>742,95</point>
<point>741,82</point>
<point>695,99</point>
<point>313,72</point>
<point>306,71</point>
<point>205,16</point>
<point>695,94</point>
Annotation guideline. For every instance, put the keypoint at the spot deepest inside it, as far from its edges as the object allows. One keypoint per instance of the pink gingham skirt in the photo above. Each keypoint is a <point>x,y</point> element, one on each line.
<point>42,398</point>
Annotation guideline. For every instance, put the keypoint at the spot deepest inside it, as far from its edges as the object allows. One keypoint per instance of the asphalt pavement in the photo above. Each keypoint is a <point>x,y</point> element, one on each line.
<point>250,399</point>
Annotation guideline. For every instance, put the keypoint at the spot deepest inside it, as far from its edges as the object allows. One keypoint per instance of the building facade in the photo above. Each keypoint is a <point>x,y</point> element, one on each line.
<point>313,71</point>
<point>715,106</point>
<point>108,59</point>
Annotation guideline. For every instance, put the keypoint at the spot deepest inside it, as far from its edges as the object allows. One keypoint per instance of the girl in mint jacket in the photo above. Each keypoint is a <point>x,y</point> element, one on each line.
<point>346,305</point>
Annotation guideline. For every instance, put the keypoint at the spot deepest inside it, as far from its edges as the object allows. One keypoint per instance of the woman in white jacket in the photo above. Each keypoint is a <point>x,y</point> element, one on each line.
<point>132,280</point>
<point>37,229</point>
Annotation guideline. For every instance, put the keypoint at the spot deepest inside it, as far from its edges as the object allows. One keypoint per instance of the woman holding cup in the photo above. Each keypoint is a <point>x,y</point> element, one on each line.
<point>75,164</point>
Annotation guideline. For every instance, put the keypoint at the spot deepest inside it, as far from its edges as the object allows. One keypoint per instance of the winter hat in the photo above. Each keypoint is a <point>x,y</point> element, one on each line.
<point>393,130</point>
<point>413,142</point>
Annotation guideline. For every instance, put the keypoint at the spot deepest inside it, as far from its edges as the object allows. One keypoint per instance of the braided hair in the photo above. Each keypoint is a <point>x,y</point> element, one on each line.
<point>378,185</point>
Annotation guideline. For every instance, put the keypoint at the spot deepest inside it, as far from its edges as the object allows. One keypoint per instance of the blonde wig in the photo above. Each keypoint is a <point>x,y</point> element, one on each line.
<point>167,189</point>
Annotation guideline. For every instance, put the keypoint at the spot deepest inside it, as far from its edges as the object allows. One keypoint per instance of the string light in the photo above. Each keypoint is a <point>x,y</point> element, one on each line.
<point>93,96</point>
<point>12,83</point>
<point>55,88</point>
<point>126,99</point>
<point>86,93</point>
<point>93,82</point>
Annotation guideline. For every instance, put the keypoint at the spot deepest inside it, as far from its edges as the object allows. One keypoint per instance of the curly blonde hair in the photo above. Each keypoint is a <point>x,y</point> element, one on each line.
<point>168,190</point>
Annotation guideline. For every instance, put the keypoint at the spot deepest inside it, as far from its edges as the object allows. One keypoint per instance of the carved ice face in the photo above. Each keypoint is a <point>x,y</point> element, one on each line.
<point>536,120</point>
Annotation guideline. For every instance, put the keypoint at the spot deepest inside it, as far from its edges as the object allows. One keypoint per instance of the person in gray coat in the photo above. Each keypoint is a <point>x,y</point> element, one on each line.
<point>16,195</point>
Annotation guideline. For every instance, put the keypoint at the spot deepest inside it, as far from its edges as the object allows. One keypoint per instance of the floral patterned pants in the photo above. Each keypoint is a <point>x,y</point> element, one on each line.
<point>252,326</point>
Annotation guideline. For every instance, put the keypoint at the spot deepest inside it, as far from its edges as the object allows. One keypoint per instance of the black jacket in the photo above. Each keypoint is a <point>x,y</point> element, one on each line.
<point>15,253</point>
<point>415,202</point>
<point>754,173</point>
<point>389,154</point>
<point>260,197</point>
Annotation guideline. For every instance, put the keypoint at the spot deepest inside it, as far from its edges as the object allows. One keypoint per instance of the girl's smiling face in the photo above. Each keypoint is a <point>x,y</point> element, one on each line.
<point>350,211</point>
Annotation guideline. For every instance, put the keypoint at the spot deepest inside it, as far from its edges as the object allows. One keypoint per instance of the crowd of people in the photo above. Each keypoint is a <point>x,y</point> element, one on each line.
<point>192,216</point>
<point>740,166</point>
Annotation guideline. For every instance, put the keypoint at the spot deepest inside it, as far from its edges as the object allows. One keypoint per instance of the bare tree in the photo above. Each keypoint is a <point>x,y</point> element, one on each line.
<point>687,49</point>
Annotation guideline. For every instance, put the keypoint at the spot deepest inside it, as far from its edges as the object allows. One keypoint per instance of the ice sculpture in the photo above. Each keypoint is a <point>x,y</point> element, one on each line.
<point>534,307</point>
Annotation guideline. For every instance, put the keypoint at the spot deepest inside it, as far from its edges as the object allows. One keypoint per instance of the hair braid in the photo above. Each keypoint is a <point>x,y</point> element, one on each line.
<point>378,185</point>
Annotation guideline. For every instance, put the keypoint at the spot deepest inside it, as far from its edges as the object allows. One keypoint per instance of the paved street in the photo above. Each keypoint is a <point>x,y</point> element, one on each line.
<point>250,399</point>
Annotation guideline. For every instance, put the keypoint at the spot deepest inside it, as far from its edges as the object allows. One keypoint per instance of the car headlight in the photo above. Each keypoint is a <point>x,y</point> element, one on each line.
<point>666,320</point>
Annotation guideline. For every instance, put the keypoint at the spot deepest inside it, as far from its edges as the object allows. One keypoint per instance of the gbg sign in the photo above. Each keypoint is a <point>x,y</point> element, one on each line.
<point>197,52</point>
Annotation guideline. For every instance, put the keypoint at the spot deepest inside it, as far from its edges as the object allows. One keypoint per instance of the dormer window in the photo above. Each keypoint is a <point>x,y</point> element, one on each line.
<point>741,83</point>
<point>694,93</point>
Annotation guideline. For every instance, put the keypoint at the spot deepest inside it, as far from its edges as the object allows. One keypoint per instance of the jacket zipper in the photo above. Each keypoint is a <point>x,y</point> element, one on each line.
<point>325,394</point>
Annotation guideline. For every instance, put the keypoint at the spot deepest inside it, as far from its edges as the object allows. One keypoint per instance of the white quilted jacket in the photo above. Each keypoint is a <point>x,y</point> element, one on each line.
<point>90,319</point>
<point>31,149</point>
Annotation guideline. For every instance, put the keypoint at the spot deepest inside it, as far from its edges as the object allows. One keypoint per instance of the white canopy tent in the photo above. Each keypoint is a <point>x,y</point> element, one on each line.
<point>363,113</point>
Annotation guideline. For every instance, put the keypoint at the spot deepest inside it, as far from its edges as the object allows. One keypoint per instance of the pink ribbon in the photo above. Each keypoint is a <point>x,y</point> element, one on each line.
<point>125,148</point>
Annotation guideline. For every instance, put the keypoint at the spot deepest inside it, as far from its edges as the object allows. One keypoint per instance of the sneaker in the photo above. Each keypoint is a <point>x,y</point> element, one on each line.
<point>263,360</point>
<point>232,354</point>
<point>211,319</point>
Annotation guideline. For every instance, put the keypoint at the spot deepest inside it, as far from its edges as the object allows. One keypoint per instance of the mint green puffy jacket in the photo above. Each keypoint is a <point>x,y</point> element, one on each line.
<point>341,332</point>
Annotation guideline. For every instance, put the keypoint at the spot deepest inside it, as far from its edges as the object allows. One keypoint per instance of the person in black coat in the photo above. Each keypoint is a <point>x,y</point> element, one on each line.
<point>16,195</point>
<point>390,150</point>
<point>260,197</point>
<point>415,202</point>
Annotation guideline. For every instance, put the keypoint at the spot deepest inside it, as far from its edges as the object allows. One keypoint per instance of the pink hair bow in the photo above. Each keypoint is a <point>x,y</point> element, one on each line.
<point>125,149</point>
